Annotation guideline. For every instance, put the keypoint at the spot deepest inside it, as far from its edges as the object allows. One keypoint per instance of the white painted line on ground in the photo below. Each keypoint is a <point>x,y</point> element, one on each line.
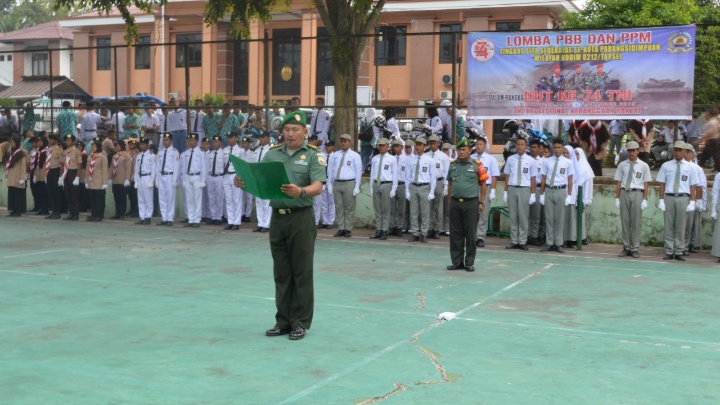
<point>36,253</point>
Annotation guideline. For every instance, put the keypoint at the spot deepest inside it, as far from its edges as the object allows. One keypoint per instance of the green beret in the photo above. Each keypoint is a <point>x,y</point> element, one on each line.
<point>463,142</point>
<point>295,117</point>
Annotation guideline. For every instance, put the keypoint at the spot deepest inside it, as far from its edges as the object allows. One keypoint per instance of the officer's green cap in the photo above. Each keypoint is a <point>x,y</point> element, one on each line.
<point>632,145</point>
<point>346,137</point>
<point>434,138</point>
<point>295,117</point>
<point>462,142</point>
<point>383,141</point>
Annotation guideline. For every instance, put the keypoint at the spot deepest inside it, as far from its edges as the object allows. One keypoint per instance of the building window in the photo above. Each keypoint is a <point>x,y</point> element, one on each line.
<point>241,74</point>
<point>104,59</point>
<point>142,53</point>
<point>324,75</point>
<point>391,45</point>
<point>194,50</point>
<point>286,62</point>
<point>448,41</point>
<point>2,58</point>
<point>9,58</point>
<point>507,26</point>
<point>39,63</point>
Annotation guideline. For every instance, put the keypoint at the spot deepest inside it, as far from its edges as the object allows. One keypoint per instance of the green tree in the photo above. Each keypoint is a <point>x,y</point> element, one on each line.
<point>346,21</point>
<point>634,13</point>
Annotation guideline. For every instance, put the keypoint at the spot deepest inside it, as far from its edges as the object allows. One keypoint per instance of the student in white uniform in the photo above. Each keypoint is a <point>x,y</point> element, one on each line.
<point>194,171</point>
<point>693,229</point>
<point>631,190</point>
<point>145,182</point>
<point>490,164</point>
<point>247,199</point>
<point>262,207</point>
<point>215,160</point>
<point>442,165</point>
<point>557,184</point>
<point>166,177</point>
<point>233,195</point>
<point>344,178</point>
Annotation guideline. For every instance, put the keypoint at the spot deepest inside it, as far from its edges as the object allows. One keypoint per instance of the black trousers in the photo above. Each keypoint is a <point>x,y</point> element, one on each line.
<point>72,193</point>
<point>97,203</point>
<point>132,195</point>
<point>34,191</point>
<point>54,192</point>
<point>17,200</point>
<point>463,228</point>
<point>120,196</point>
<point>39,190</point>
<point>84,198</point>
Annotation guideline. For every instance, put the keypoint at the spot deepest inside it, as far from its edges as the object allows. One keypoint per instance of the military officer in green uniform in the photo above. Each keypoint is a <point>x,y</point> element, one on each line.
<point>467,180</point>
<point>292,228</point>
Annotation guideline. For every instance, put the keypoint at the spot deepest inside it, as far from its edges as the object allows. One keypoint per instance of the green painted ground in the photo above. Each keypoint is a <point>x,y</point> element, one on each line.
<point>116,314</point>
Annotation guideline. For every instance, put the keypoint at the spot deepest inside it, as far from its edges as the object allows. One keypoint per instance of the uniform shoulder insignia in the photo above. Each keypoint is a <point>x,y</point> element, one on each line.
<point>276,146</point>
<point>453,161</point>
<point>476,161</point>
<point>313,147</point>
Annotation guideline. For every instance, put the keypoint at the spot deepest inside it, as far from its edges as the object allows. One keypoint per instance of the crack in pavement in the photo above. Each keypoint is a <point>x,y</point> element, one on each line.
<point>422,294</point>
<point>398,388</point>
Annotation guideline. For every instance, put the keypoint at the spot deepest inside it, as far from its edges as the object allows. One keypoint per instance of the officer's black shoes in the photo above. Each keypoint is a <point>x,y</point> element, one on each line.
<point>339,233</point>
<point>456,266</point>
<point>678,257</point>
<point>533,242</point>
<point>635,254</point>
<point>469,268</point>
<point>559,249</point>
<point>347,235</point>
<point>667,257</point>
<point>277,331</point>
<point>624,253</point>
<point>480,243</point>
<point>523,247</point>
<point>423,239</point>
<point>377,235</point>
<point>691,249</point>
<point>297,333</point>
<point>383,235</point>
<point>512,246</point>
<point>414,239</point>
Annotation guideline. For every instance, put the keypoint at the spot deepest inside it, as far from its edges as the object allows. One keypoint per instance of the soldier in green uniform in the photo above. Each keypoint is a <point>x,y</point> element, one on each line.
<point>466,183</point>
<point>292,228</point>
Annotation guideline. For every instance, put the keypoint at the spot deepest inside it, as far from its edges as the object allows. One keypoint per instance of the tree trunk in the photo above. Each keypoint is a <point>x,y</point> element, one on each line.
<point>346,53</point>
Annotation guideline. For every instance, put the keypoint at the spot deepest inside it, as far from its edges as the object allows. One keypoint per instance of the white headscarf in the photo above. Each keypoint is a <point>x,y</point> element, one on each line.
<point>370,115</point>
<point>588,175</point>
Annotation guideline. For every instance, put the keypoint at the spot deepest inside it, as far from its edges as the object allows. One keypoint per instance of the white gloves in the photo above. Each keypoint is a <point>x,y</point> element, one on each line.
<point>690,207</point>
<point>426,126</point>
<point>714,214</point>
<point>392,194</point>
<point>407,194</point>
<point>569,200</point>
<point>156,184</point>
<point>356,191</point>
<point>61,182</point>
<point>174,184</point>
<point>126,183</point>
<point>109,183</point>
<point>643,205</point>
<point>542,199</point>
<point>505,196</point>
<point>589,203</point>
<point>76,182</point>
<point>700,206</point>
<point>34,180</point>
<point>445,191</point>
<point>329,187</point>
<point>136,186</point>
<point>492,194</point>
<point>201,184</point>
<point>532,199</point>
<point>150,184</point>
<point>21,182</point>
<point>617,203</point>
<point>371,189</point>
<point>104,186</point>
<point>431,196</point>
<point>661,205</point>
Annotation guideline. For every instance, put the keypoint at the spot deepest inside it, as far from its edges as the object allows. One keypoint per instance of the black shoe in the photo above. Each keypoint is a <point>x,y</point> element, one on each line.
<point>480,243</point>
<point>635,254</point>
<point>624,253</point>
<point>570,245</point>
<point>512,246</point>
<point>245,219</point>
<point>229,228</point>
<point>237,227</point>
<point>414,239</point>
<point>383,235</point>
<point>185,221</point>
<point>196,225</point>
<point>140,222</point>
<point>547,248</point>
<point>434,235</point>
<point>348,234</point>
<point>377,235</point>
<point>67,218</point>
<point>263,230</point>
<point>423,239</point>
<point>277,331</point>
<point>692,249</point>
<point>559,249</point>
<point>585,242</point>
<point>97,219</point>
<point>169,223</point>
<point>667,257</point>
<point>297,333</point>
<point>188,225</point>
<point>456,266</point>
<point>161,223</point>
<point>90,218</point>
<point>523,247</point>
<point>147,221</point>
<point>469,268</point>
<point>534,242</point>
<point>685,253</point>
<point>339,233</point>
<point>678,257</point>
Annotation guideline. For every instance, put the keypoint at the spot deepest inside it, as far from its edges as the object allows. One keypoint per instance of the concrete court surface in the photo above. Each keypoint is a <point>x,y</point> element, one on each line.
<point>113,313</point>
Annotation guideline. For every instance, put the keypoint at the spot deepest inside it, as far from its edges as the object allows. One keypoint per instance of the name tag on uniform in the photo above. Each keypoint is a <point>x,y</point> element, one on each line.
<point>424,169</point>
<point>562,171</point>
<point>471,169</point>
<point>386,167</point>
<point>638,175</point>
<point>437,165</point>
<point>348,162</point>
<point>301,162</point>
<point>683,178</point>
<point>525,170</point>
<point>402,168</point>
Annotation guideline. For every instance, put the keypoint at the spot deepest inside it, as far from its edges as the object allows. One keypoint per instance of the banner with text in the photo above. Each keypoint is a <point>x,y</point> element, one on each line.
<point>600,74</point>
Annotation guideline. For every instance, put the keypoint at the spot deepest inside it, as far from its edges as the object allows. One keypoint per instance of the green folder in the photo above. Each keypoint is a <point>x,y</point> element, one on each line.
<point>263,179</point>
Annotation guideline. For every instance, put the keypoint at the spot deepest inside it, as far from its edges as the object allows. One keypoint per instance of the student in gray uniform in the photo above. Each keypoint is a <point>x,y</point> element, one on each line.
<point>693,230</point>
<point>519,193</point>
<point>631,190</point>
<point>383,186</point>
<point>677,197</point>
<point>557,184</point>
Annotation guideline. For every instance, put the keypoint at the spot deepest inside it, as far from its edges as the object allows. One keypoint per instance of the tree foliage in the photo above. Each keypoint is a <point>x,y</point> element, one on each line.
<point>639,13</point>
<point>24,14</point>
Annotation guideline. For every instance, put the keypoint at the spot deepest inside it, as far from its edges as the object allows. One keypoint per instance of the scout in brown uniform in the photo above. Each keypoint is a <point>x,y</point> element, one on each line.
<point>96,179</point>
<point>120,174</point>
<point>71,182</point>
<point>132,192</point>
<point>108,145</point>
<point>16,171</point>
<point>84,194</point>
<point>39,177</point>
<point>53,168</point>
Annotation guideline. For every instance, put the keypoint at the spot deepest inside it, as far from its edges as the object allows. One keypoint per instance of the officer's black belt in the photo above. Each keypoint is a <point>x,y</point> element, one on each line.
<point>285,211</point>
<point>229,172</point>
<point>216,175</point>
<point>344,180</point>
<point>677,195</point>
<point>420,184</point>
<point>634,189</point>
<point>166,173</point>
<point>401,183</point>
<point>556,187</point>
<point>464,199</point>
<point>144,174</point>
<point>385,182</point>
<point>194,174</point>
<point>520,186</point>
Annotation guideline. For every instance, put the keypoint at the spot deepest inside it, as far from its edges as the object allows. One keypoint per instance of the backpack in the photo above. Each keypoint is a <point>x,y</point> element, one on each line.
<point>366,132</point>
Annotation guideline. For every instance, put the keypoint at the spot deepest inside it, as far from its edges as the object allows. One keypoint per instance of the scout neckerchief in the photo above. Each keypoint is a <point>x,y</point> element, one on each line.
<point>644,128</point>
<point>40,153</point>
<point>48,157</point>
<point>115,162</point>
<point>91,166</point>
<point>593,128</point>
<point>10,159</point>
<point>67,163</point>
<point>33,159</point>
